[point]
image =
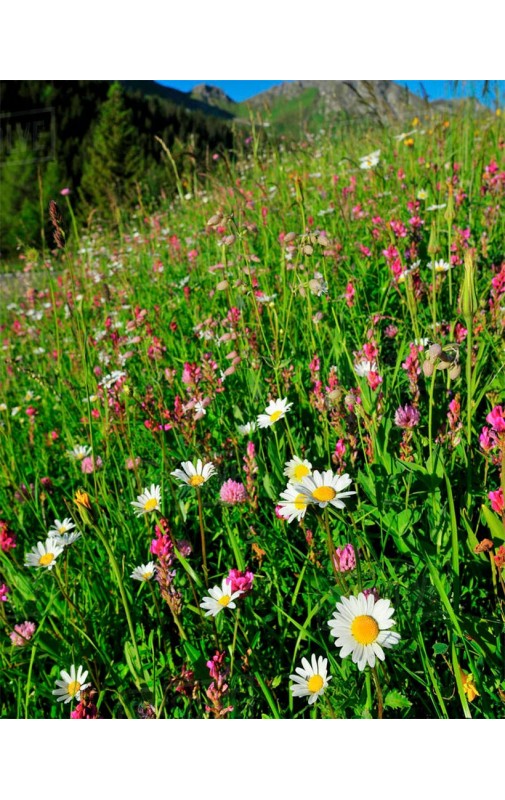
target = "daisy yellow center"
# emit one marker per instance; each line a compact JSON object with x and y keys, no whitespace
{"x":73,"y":688}
{"x":46,"y":559}
{"x":315,"y":683}
{"x":300,"y":502}
{"x":62,"y":529}
{"x":147,"y":575}
{"x":275,"y":416}
{"x":224,"y":600}
{"x":150,"y":504}
{"x":365,"y":629}
{"x":324,"y":493}
{"x":196,"y":480}
{"x":300,"y":472}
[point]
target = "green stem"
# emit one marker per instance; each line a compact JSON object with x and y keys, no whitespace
{"x":124,"y":600}
{"x":380,"y":702}
{"x":202,"y":536}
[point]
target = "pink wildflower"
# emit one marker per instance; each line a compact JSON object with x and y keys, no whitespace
{"x":374,"y":592}
{"x":4,"y":592}
{"x":374,"y":380}
{"x":22,"y":633}
{"x":345,"y":558}
{"x":233,"y":492}
{"x":218,"y":687}
{"x":495,"y":418}
{"x":350,"y":291}
{"x":487,"y":439}
{"x":89,"y":464}
{"x":7,"y":538}
{"x":407,"y":416}
{"x":240,"y":581}
{"x":497,"y":502}
{"x":499,"y":558}
{"x":133,"y":463}
{"x":86,"y":708}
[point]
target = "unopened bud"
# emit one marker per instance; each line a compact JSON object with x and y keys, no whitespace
{"x":469,"y":305}
{"x":455,"y":372}
{"x":428,"y":368}
{"x":289,"y":237}
{"x":434,"y":352}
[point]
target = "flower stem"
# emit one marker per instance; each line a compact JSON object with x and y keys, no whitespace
{"x":380,"y":702}
{"x":124,"y":600}
{"x":202,"y":536}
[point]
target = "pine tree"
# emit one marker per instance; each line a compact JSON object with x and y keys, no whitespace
{"x":113,"y":160}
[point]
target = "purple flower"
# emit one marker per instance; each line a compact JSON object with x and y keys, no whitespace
{"x":345,"y":558}
{"x":232,"y":492}
{"x":240,"y":581}
{"x":22,"y":633}
{"x":407,"y":417}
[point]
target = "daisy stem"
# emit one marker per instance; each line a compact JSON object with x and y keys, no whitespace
{"x":117,"y":573}
{"x":202,"y":535}
{"x":234,"y":642}
{"x":380,"y":704}
{"x":70,"y":602}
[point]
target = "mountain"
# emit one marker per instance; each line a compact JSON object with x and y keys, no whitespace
{"x":212,"y":96}
{"x":206,"y":99}
{"x":382,"y":101}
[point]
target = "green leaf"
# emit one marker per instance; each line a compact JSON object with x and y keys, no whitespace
{"x":439,"y":648}
{"x":494,"y":523}
{"x":395,"y":699}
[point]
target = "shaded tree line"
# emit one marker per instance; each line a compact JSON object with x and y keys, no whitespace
{"x":98,"y":139}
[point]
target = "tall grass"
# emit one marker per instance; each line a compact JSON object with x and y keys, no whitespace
{"x":295,"y":274}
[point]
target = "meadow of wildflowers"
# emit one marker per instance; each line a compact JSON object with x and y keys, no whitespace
{"x":252,"y":442}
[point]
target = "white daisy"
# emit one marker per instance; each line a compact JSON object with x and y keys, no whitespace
{"x":311,"y":680}
{"x":219,"y":598}
{"x":364,"y":367}
{"x":44,"y":555}
{"x":59,"y":528}
{"x":111,"y":379}
{"x":71,"y":685}
{"x":144,"y":573}
{"x":293,"y":504}
{"x":439,"y":266}
{"x":148,"y":501}
{"x":69,"y":538}
{"x":79,"y":452}
{"x":369,"y":161}
{"x":274,"y":411}
{"x":422,"y":194}
{"x":296,"y":469}
{"x":361,"y":627}
{"x":246,"y":429}
{"x":194,"y":475}
{"x":325,"y":488}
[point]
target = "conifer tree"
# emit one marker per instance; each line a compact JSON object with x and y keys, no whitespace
{"x":113,"y":159}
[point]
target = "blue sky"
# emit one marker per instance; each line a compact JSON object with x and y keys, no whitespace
{"x":242,"y":90}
